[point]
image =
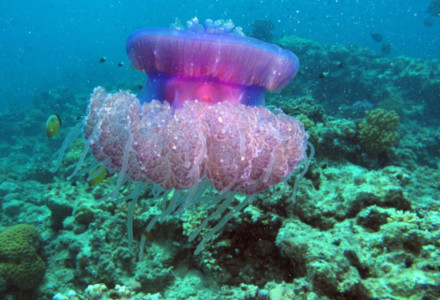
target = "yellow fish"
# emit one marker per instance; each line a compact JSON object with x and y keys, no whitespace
{"x":53,"y":125}
{"x":97,"y":175}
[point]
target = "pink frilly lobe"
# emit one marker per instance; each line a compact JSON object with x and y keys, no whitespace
{"x":236,"y":147}
{"x":170,"y":147}
{"x":107,"y":132}
{"x":251,"y":149}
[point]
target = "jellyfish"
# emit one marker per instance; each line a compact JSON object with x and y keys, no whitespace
{"x":212,"y":63}
{"x":198,"y":133}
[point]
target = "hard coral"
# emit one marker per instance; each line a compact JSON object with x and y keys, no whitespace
{"x":379,"y":132}
{"x":21,"y":266}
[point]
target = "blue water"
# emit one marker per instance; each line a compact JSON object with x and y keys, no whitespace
{"x":366,"y":217}
{"x":47,"y":44}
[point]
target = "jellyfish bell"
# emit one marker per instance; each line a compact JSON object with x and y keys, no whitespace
{"x":198,"y":132}
{"x":183,"y":65}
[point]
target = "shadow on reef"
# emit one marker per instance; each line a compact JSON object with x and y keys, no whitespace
{"x":246,"y":253}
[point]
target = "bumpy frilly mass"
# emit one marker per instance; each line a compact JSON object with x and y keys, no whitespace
{"x":199,"y":121}
{"x":237,"y":147}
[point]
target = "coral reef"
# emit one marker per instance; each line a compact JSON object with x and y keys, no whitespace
{"x":354,"y":73}
{"x":379,"y":132}
{"x":98,"y":291}
{"x":21,"y":266}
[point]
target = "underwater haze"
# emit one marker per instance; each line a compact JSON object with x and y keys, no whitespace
{"x":258,"y":150}
{"x":51,"y":43}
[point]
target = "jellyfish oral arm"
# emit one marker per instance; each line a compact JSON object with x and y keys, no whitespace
{"x":178,"y":90}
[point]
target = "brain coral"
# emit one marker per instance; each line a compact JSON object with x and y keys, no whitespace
{"x":20,"y":264}
{"x":379,"y":132}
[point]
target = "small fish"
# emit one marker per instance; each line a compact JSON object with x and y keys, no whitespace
{"x":341,"y":65}
{"x":53,"y":125}
{"x":103,"y":59}
{"x":377,"y":37}
{"x":323,"y":75}
{"x":97,"y":175}
{"x":121,"y":64}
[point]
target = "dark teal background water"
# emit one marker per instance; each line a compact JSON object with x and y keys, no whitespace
{"x":48,"y":44}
